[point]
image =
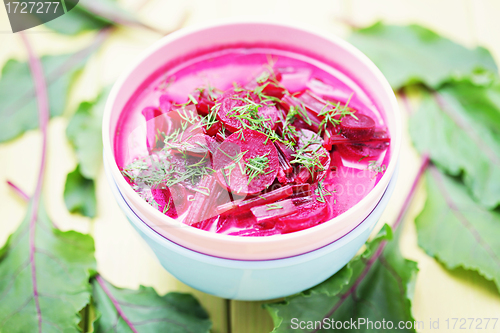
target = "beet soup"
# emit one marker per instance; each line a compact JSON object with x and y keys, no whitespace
{"x":251,"y":141}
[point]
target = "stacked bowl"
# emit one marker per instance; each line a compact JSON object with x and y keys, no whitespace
{"x":253,"y":268}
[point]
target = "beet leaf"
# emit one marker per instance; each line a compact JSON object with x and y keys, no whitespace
{"x":18,"y":111}
{"x":143,"y":310}
{"x":377,"y":285}
{"x":84,"y":133}
{"x":458,"y":127}
{"x":414,"y":54}
{"x":457,"y":231}
{"x":79,"y":194}
{"x":44,"y":272}
{"x":92,"y":15}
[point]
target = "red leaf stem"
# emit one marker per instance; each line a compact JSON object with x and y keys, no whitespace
{"x":18,"y":190}
{"x":43,"y":118}
{"x":115,"y":302}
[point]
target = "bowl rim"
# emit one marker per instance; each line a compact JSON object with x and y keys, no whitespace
{"x":396,"y":134}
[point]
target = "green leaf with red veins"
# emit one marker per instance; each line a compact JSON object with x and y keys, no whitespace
{"x":378,"y":285}
{"x":414,"y":54}
{"x":44,"y":274}
{"x":18,"y":105}
{"x":79,"y":194}
{"x":459,"y":128}
{"x":84,"y":132}
{"x":91,"y":15}
{"x":143,"y":310}
{"x":457,"y":231}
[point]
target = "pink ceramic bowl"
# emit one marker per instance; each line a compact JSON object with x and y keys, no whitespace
{"x":329,"y":49}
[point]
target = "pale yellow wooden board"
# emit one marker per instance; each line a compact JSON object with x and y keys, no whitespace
{"x":122,"y":256}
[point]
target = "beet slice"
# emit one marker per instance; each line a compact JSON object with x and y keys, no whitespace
{"x":274,"y":210}
{"x":312,"y":102}
{"x":166,"y":205}
{"x":309,"y":119}
{"x":310,"y":212}
{"x":269,"y":112}
{"x":266,"y":198}
{"x":285,"y":170}
{"x":205,"y":224}
{"x":234,"y":99}
{"x":158,"y":123}
{"x":178,"y":194}
{"x":376,"y":146}
{"x":191,"y":142}
{"x":310,"y":145}
{"x":205,"y":198}
{"x":359,"y":126}
{"x":337,"y":139}
{"x":228,"y":101}
{"x":233,"y":156}
{"x":272,"y":89}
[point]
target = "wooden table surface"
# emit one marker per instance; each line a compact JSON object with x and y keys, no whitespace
{"x":122,"y":256}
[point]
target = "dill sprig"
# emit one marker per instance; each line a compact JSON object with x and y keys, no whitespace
{"x":211,"y":118}
{"x":301,"y":111}
{"x":321,"y":192}
{"x":226,"y":171}
{"x":273,"y":206}
{"x":167,"y":206}
{"x":192,"y":99}
{"x":333,"y":114}
{"x":256,"y":166}
{"x":376,"y":167}
{"x":148,"y":171}
{"x":308,"y":156}
{"x":248,"y":115}
{"x":211,"y":91}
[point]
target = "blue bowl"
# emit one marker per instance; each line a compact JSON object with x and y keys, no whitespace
{"x":256,"y":280}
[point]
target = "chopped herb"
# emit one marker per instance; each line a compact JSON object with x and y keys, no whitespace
{"x":256,"y":166}
{"x":321,"y":192}
{"x":167,"y":206}
{"x":362,"y":158}
{"x":273,"y":206}
{"x":206,"y":192}
{"x":308,"y":155}
{"x":191,"y":97}
{"x":376,"y":167}
{"x":333,"y":114}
